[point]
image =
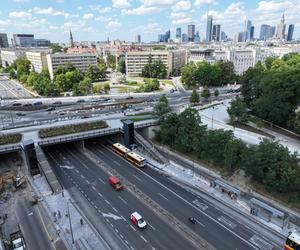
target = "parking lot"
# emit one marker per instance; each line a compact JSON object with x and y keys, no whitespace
{"x":9,"y":89}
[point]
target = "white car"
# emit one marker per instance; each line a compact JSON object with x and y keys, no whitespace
{"x":138,"y":220}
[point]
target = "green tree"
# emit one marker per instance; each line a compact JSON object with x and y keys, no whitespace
{"x":111,"y":61}
{"x":205,"y":93}
{"x":154,"y":69}
{"x":194,"y":98}
{"x":216,"y":93}
{"x":102,"y":68}
{"x":162,"y":108}
{"x":56,"y":48}
{"x":149,"y":85}
{"x":228,"y":75}
{"x":106,"y":88}
{"x":188,"y":75}
{"x":121,"y":65}
{"x":237,"y":111}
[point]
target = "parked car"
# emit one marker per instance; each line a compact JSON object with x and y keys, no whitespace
{"x":57,"y":102}
{"x":16,"y":104}
{"x":80,"y":100}
{"x":50,"y":109}
{"x":138,"y":220}
{"x":27,"y":105}
{"x":20,"y":114}
{"x":37,"y":103}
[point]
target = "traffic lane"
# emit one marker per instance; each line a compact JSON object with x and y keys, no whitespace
{"x":228,"y":219}
{"x":181,"y":209}
{"x":31,"y":226}
{"x":171,"y":239}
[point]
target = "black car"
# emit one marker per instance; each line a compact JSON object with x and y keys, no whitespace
{"x":50,"y":109}
{"x":80,"y":100}
{"x":57,"y":103}
{"x":37,"y":103}
{"x":17,"y":104}
{"x":20,"y":114}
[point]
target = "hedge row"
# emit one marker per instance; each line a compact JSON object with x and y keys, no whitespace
{"x":10,"y":138}
{"x":70,"y":129}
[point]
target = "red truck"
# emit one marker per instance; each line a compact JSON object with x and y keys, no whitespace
{"x":115,"y":183}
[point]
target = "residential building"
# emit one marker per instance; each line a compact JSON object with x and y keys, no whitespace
{"x":178,"y":33}
{"x":138,"y":39}
{"x":3,"y":40}
{"x":81,"y":50}
{"x":79,"y":61}
{"x":191,"y":32}
{"x":216,"y":33}
{"x":209,"y":28}
{"x":9,"y":56}
{"x":42,"y":43}
{"x":290,"y":32}
{"x":38,"y":60}
{"x":136,"y":60}
{"x":281,"y":29}
{"x":24,"y":40}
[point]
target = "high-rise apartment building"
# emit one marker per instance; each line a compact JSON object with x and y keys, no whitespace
{"x":9,"y":56}
{"x":24,"y":40}
{"x":178,"y":33}
{"x":138,"y":39}
{"x":3,"y":40}
{"x":216,"y":33}
{"x":209,"y":28}
{"x":281,"y":29}
{"x":191,"y":32}
{"x":38,"y":60}
{"x":290,"y":32}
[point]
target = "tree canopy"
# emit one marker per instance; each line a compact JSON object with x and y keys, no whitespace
{"x":154,"y":69}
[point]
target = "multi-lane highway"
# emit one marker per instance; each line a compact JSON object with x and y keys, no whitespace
{"x":114,"y":207}
{"x":12,"y":90}
{"x":214,"y":227}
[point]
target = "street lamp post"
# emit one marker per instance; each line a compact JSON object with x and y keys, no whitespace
{"x":212,"y":118}
{"x":71,"y":229}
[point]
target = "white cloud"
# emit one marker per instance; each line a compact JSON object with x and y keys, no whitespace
{"x":142,"y":10}
{"x":120,"y":3}
{"x":88,"y":29}
{"x":103,"y":19}
{"x":180,"y":18}
{"x":202,"y":2}
{"x":105,"y":10}
{"x":73,"y":25}
{"x":182,"y":5}
{"x":151,"y":28}
{"x":158,"y":2}
{"x":20,"y":14}
{"x":274,"y":5}
{"x":21,"y":1}
{"x":113,"y":25}
{"x":88,"y":16}
{"x":50,"y":12}
{"x":4,"y":23}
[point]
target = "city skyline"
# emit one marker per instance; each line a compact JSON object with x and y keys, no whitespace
{"x":125,"y":19}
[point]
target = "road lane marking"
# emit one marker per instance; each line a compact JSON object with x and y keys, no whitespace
{"x":163,"y":196}
{"x":100,"y":195}
{"x":151,"y":226}
{"x":87,"y":182}
{"x":116,"y":162}
{"x":137,"y":178}
{"x":93,"y":188}
{"x":261,"y":243}
{"x":101,"y":180}
{"x":126,"y":242}
{"x":115,"y":209}
{"x":121,"y":236}
{"x":122,"y":200}
{"x":227,"y":222}
{"x":82,"y":176}
{"x":132,"y":228}
{"x":107,"y":202}
{"x":143,"y":238}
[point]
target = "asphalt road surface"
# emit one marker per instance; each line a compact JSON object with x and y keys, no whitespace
{"x":115,"y":207}
{"x":11,"y":90}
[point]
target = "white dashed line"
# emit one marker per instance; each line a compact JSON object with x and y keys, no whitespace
{"x":102,"y":181}
{"x":121,"y":236}
{"x":117,"y":163}
{"x":87,"y":182}
{"x":122,"y":199}
{"x":132,"y":228}
{"x":115,"y":209}
{"x":82,"y":176}
{"x":93,"y":188}
{"x":116,"y":230}
{"x":151,"y":226}
{"x":136,"y":177}
{"x":143,"y":238}
{"x":107,"y":201}
{"x":126,"y":242}
{"x":163,"y":196}
{"x":100,"y":195}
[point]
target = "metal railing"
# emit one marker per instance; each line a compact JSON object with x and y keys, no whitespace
{"x":10,"y":148}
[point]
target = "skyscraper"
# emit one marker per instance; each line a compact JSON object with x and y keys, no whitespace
{"x":209,"y":28}
{"x":197,"y":37}
{"x":184,"y":38}
{"x":178,"y":33}
{"x":216,"y":33}
{"x":191,"y":32}
{"x":3,"y":40}
{"x":138,"y":38}
{"x":290,"y":32}
{"x":71,"y":40}
{"x":167,"y":36}
{"x":281,"y":29}
{"x":248,"y":25}
{"x":266,"y":32}
{"x":223,"y":36}
{"x":252,"y":33}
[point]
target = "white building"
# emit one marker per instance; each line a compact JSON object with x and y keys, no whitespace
{"x":9,"y":56}
{"x":38,"y":60}
{"x":79,"y":61}
{"x":136,"y":60}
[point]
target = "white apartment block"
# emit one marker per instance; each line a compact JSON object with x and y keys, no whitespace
{"x":38,"y":60}
{"x":9,"y":56}
{"x":79,"y":61}
{"x":136,"y":60}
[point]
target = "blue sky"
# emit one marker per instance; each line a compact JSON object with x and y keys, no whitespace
{"x":124,"y":19}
